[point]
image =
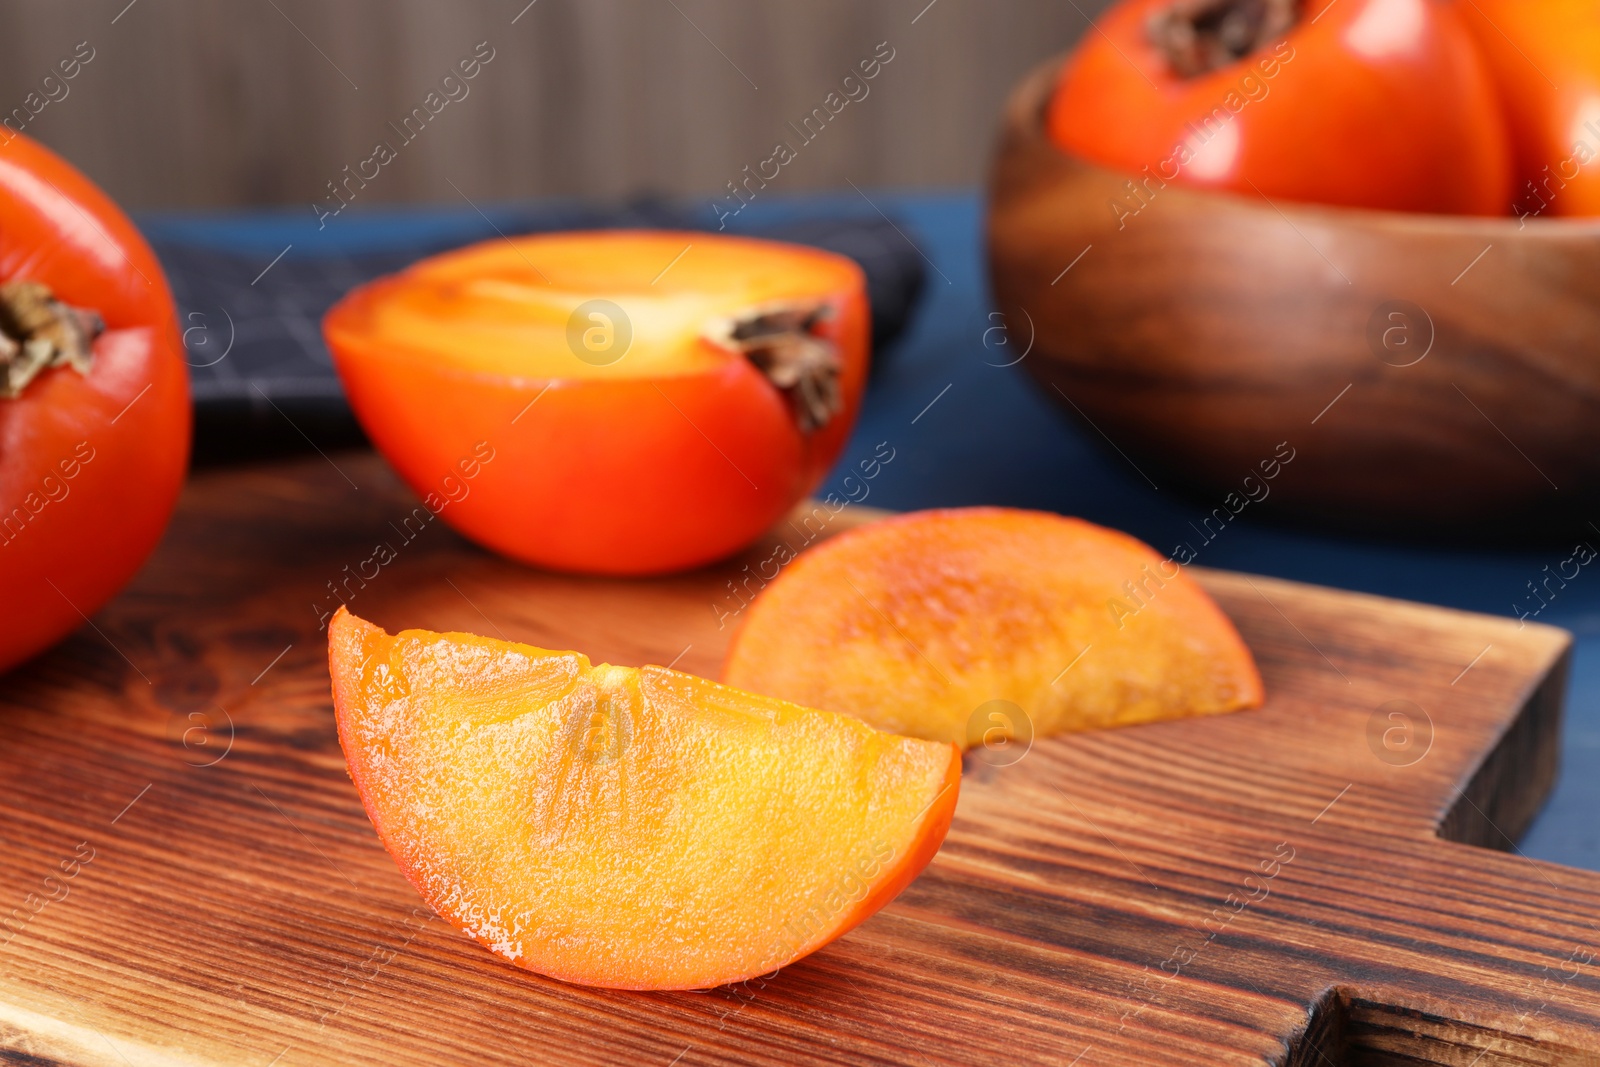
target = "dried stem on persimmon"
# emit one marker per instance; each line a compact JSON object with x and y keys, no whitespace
{"x":1199,"y":36}
{"x":783,"y":341}
{"x":38,"y":332}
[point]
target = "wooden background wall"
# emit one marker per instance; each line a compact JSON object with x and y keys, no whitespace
{"x":226,"y":102}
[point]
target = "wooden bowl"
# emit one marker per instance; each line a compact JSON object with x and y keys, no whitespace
{"x":1432,"y":374}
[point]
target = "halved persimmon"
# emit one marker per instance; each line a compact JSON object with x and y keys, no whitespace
{"x":620,"y":402}
{"x":632,"y":828}
{"x":921,"y":623}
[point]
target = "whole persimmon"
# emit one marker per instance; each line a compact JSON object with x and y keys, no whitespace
{"x":618,"y":402}
{"x":1545,"y":58}
{"x":1364,"y":103}
{"x":94,"y":399}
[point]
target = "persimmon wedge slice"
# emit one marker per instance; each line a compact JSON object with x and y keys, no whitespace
{"x":920,"y":623}
{"x":630,"y":828}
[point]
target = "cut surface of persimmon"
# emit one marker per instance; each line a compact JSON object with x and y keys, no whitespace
{"x":618,"y":402}
{"x":631,"y":828}
{"x":921,"y":623}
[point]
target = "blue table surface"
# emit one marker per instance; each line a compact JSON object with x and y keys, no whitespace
{"x":966,"y":431}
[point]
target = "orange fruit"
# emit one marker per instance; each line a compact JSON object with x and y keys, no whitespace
{"x":615,"y":402}
{"x":631,"y":828}
{"x":974,"y":625}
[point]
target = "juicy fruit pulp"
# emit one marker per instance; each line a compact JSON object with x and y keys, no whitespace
{"x":504,"y":307}
{"x":920,"y":623}
{"x":632,"y":828}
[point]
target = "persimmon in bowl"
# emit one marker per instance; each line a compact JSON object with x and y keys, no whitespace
{"x":617,"y":402}
{"x":1314,"y":243}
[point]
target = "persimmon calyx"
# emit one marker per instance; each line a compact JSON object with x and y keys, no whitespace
{"x":1199,"y":36}
{"x":38,"y":332}
{"x":783,"y":341}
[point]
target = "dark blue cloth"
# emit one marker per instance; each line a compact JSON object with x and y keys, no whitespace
{"x":967,"y":431}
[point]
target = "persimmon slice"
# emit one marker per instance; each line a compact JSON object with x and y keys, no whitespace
{"x":918,"y":623}
{"x":631,"y":828}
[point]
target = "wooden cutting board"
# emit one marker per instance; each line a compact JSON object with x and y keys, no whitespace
{"x":190,"y":879}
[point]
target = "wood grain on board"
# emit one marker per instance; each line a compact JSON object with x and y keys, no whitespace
{"x":1266,"y":887}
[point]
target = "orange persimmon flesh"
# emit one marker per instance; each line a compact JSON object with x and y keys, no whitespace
{"x":621,"y":827}
{"x":504,"y":307}
{"x":916,"y":622}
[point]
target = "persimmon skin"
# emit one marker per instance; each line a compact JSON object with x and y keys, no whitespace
{"x":918,"y":622}
{"x":1544,"y":56}
{"x":622,"y":476}
{"x":1371,"y":103}
{"x":704,"y":844}
{"x":129,"y":415}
